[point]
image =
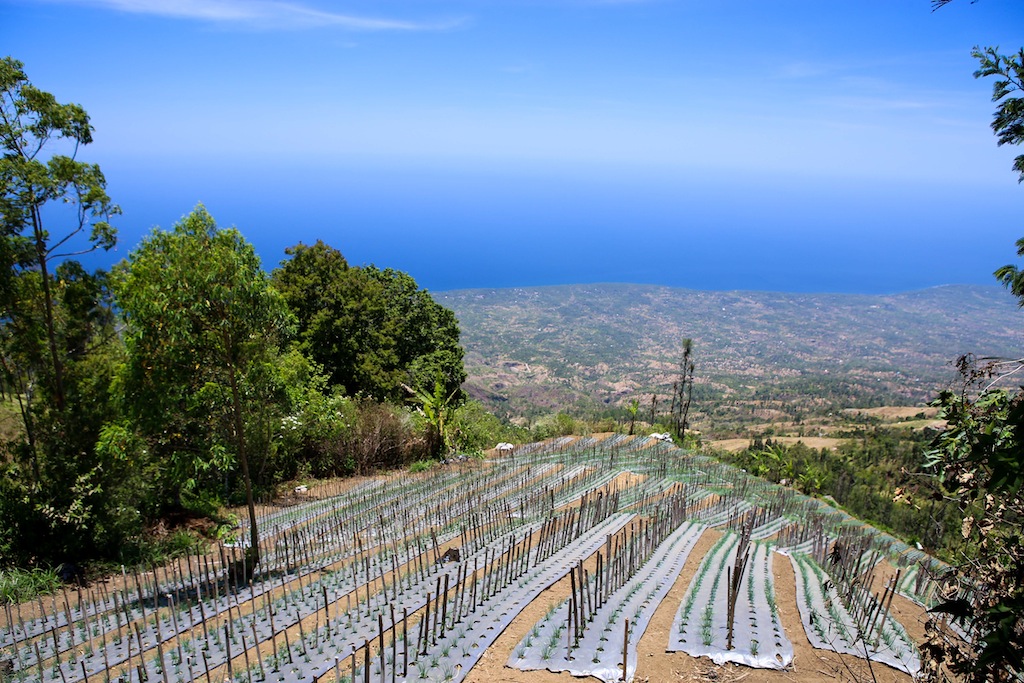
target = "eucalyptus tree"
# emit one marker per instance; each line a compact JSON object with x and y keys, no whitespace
{"x":203,"y":330}
{"x":57,"y":341}
{"x":53,"y":206}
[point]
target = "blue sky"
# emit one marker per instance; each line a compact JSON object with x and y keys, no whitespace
{"x":796,"y":145}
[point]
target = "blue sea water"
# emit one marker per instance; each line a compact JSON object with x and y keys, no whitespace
{"x":463,"y":225}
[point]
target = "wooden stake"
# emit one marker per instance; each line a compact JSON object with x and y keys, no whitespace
{"x":380,"y":642}
{"x":366,"y":661}
{"x":625,"y":650}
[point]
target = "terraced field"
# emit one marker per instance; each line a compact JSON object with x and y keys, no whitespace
{"x":615,"y":557}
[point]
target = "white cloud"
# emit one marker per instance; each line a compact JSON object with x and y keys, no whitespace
{"x":800,"y":70}
{"x":264,"y":14}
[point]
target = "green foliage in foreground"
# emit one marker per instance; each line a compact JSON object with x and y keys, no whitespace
{"x":978,"y":460}
{"x":19,"y":585}
{"x":979,"y":463}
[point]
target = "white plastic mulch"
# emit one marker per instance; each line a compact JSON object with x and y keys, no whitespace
{"x":453,"y":656}
{"x":599,"y":652}
{"x":701,"y":627}
{"x":829,"y":625}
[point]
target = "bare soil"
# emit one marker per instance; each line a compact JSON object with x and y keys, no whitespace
{"x":655,"y":665}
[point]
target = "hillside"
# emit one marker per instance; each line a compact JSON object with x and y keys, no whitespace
{"x":759,"y":355}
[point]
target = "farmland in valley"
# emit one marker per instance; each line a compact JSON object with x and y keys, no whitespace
{"x":608,"y":557}
{"x":760,"y":356}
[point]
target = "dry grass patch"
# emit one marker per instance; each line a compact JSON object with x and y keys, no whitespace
{"x":736,"y":445}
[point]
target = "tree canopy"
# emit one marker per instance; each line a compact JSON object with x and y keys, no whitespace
{"x":203,"y":326}
{"x":1008,"y":120}
{"x":56,"y":327}
{"x":372,"y":330}
{"x":36,"y":180}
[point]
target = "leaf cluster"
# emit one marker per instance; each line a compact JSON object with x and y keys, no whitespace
{"x":372,"y":330}
{"x":978,"y":459}
{"x":1008,"y":120}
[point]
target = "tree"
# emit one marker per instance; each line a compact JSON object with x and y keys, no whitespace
{"x":632,"y":409}
{"x":682,"y":391}
{"x":57,"y":341}
{"x":1008,"y":120}
{"x":203,"y":326}
{"x":32,"y":123}
{"x":71,"y":501}
{"x":979,"y":460}
{"x":438,"y":409}
{"x":372,"y":330}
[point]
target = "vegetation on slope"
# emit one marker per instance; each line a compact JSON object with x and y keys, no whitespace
{"x":761,"y":356}
{"x":187,"y":378}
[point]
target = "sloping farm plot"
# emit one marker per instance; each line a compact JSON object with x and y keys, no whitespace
{"x":594,"y":632}
{"x":854,"y":623}
{"x":414,"y":578}
{"x":701,"y":627}
{"x":198,"y":618}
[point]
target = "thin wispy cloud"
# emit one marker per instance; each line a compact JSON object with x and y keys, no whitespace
{"x":520,"y":68}
{"x":802,"y":70}
{"x":264,"y":14}
{"x":865,"y":103}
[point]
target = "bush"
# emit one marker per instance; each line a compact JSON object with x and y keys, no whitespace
{"x":477,"y":430}
{"x":384,"y":436}
{"x":157,"y":547}
{"x":561,"y":424}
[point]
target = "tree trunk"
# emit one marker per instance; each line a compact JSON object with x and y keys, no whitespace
{"x":254,"y":537}
{"x":51,"y":333}
{"x":686,"y":404}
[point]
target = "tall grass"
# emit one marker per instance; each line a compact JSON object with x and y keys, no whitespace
{"x":19,"y":585}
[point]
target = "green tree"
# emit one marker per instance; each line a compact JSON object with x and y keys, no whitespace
{"x":203,"y":328}
{"x":372,"y":330}
{"x":57,"y":342}
{"x":32,"y":124}
{"x":979,"y":460}
{"x":70,"y":500}
{"x":1008,"y":120}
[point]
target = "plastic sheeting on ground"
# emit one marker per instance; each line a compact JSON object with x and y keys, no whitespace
{"x":599,"y":652}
